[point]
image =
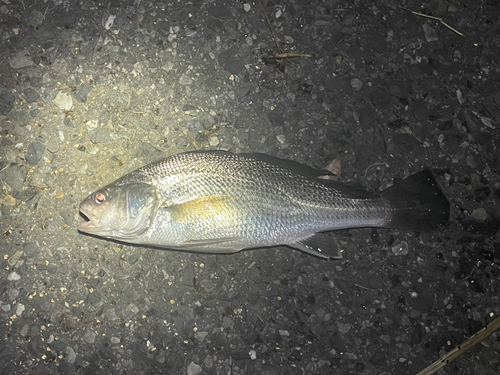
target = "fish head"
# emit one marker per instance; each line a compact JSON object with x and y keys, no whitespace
{"x":121,"y":211}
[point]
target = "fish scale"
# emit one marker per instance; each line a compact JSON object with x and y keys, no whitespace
{"x":224,"y":202}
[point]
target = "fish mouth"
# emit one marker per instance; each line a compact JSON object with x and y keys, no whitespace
{"x":90,"y":225}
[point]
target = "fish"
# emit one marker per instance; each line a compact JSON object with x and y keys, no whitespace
{"x":220,"y":202}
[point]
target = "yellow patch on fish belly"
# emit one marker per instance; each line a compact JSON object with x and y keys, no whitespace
{"x":201,"y":209}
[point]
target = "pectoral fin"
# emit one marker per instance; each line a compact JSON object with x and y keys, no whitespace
{"x":319,"y":245}
{"x":201,"y":209}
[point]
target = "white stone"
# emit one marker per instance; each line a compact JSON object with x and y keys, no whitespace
{"x":63,"y":101}
{"x":194,"y":369}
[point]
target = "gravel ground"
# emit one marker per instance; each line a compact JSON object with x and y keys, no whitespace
{"x":91,"y":90}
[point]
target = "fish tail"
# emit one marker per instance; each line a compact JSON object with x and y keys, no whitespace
{"x":417,"y":204}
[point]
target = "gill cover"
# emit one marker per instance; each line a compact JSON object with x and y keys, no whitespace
{"x":141,"y":206}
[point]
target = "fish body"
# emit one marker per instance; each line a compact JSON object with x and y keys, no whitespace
{"x":220,"y":202}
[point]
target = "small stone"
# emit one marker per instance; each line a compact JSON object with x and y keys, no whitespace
{"x":214,"y":141}
{"x":110,"y":314}
{"x":343,"y":327}
{"x":13,"y":276}
{"x":89,"y":337}
{"x":100,"y":135}
{"x":5,"y":308}
{"x":356,"y":84}
{"x":82,"y":92}
{"x":189,"y":275}
{"x":200,"y":336}
{"x":132,"y":310}
{"x":234,"y":65}
{"x":247,"y":7}
{"x":430,"y":33}
{"x":21,"y":59}
{"x":207,"y":121}
{"x":284,"y":332}
{"x":31,"y":95}
{"x":400,"y":249}
{"x":109,"y":22}
{"x":193,"y":369}
{"x":15,"y":258}
{"x":208,"y":285}
{"x":53,"y":145}
{"x":7,"y":101}
{"x":70,"y":355}
{"x":115,"y":340}
{"x":185,"y":80}
{"x":208,"y":361}
{"x":60,"y":195}
{"x":20,"y":309}
{"x":253,"y":354}
{"x":67,"y":216}
{"x":63,"y":101}
{"x":480,"y":214}
{"x":35,"y":153}
{"x":14,"y":175}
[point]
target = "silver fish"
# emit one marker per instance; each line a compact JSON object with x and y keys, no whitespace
{"x":219,"y":202}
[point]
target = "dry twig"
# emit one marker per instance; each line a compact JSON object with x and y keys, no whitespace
{"x":281,"y":54}
{"x":434,"y":18}
{"x":286,"y":55}
{"x":463,"y":347}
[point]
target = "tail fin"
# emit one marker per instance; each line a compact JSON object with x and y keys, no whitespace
{"x":418,"y":204}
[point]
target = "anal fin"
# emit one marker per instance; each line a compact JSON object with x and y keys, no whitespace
{"x":319,"y":245}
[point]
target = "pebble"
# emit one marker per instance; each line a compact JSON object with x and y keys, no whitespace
{"x":35,"y":153}
{"x":132,"y":310}
{"x":7,"y":101}
{"x":207,"y":121}
{"x":31,"y":95}
{"x":115,"y":340}
{"x":356,"y":84}
{"x":247,"y":7}
{"x":208,"y":361}
{"x":20,"y":309}
{"x":185,"y":80}
{"x":110,"y":314}
{"x":208,"y":285}
{"x":89,"y":337}
{"x":82,"y":92}
{"x":201,"y":336}
{"x":14,"y":276}
{"x":63,"y":101}
{"x":53,"y":145}
{"x":194,"y":369}
{"x":284,"y":332}
{"x":430,"y":33}
{"x":14,"y":176}
{"x":70,"y":355}
{"x":21,"y":59}
{"x":253,"y":354}
{"x":343,"y":327}
{"x":100,"y":135}
{"x":480,"y":214}
{"x":15,"y":258}
{"x":214,"y":141}
{"x":189,"y":275}
{"x":400,"y":249}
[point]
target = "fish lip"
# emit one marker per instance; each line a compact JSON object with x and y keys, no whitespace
{"x":90,"y":223}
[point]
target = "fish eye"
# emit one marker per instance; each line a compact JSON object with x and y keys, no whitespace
{"x":99,"y":198}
